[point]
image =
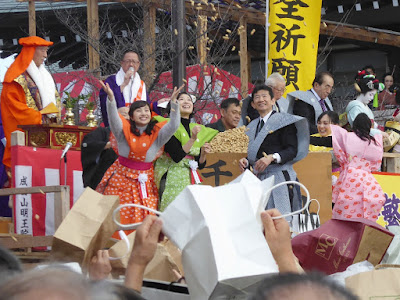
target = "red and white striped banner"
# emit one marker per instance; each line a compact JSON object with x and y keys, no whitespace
{"x":34,"y":214}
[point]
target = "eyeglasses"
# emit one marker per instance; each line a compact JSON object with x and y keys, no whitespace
{"x":129,"y":61}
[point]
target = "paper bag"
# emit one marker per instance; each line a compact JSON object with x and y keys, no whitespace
{"x":309,"y":221}
{"x":86,"y":228}
{"x":339,"y":243}
{"x":224,"y":252}
{"x":376,"y":284}
{"x":166,"y":259}
{"x":392,"y":255}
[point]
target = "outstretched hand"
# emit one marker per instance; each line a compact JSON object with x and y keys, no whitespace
{"x":146,"y":239}
{"x":195,"y":131}
{"x":277,"y":234}
{"x":108,"y":90}
{"x":100,"y":267}
{"x":176,"y":92}
{"x":144,"y":249}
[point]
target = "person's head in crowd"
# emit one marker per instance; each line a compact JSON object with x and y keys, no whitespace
{"x":388,"y":81}
{"x":46,"y":284}
{"x":307,"y":286}
{"x":9,"y":265}
{"x":230,"y":112}
{"x":367,"y":85}
{"x":262,"y":99}
{"x":106,"y":290}
{"x":323,"y":84}
{"x":130,"y":59}
{"x":186,"y":105}
{"x":40,"y":55}
{"x":361,"y":127}
{"x":324,"y":122}
{"x":369,"y":69}
{"x":395,"y":89}
{"x":140,"y":116}
{"x":278,"y":84}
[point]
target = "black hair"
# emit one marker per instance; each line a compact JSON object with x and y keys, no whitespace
{"x":333,"y":116}
{"x":395,"y":89}
{"x":319,"y":77}
{"x":134,"y":106}
{"x":102,"y":289}
{"x":387,"y":74}
{"x":168,"y":108}
{"x":369,"y":67}
{"x":366,"y":82}
{"x":227,"y":102}
{"x":129,"y":51}
{"x":261,"y":87}
{"x":272,"y":287}
{"x":362,"y":126}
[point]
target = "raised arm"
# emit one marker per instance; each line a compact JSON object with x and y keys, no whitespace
{"x":112,"y":112}
{"x":169,"y":129}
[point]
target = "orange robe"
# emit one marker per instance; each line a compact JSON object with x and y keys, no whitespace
{"x":18,"y":105}
{"x":15,"y":111}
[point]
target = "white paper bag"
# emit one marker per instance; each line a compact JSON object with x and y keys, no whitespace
{"x":224,"y":252}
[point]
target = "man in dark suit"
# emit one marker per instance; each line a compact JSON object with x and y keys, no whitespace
{"x":310,"y":104}
{"x":230,"y":115}
{"x":276,"y":141}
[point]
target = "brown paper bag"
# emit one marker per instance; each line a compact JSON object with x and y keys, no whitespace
{"x":166,"y":259}
{"x":86,"y":228}
{"x":376,"y":284}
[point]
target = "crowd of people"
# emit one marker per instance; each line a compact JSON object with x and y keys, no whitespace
{"x":148,"y":159}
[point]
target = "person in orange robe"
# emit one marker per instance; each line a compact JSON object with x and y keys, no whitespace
{"x":27,"y":88}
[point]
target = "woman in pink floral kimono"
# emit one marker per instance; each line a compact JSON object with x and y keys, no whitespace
{"x":357,"y":194}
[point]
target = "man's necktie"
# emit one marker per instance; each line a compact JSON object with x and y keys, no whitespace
{"x":260,"y":126}
{"x":322,"y":102}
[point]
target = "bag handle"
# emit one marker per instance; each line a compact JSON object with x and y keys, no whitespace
{"x":123,"y":237}
{"x":132,"y":226}
{"x":297,"y":211}
{"x":319,"y":207}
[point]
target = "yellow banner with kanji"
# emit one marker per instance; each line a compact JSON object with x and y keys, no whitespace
{"x":293,"y":41}
{"x":390,"y":213}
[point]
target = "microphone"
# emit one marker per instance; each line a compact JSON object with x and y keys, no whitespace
{"x":133,"y":70}
{"x":67,"y":146}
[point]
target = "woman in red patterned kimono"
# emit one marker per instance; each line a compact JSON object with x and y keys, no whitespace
{"x":357,"y":194}
{"x":139,"y":142}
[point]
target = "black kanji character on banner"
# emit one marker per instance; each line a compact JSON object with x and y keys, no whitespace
{"x":288,"y":69}
{"x":24,"y":223}
{"x":23,"y":181}
{"x":291,"y":9}
{"x":23,"y":202}
{"x":24,"y":212}
{"x":286,"y":37}
{"x":217,"y":172}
